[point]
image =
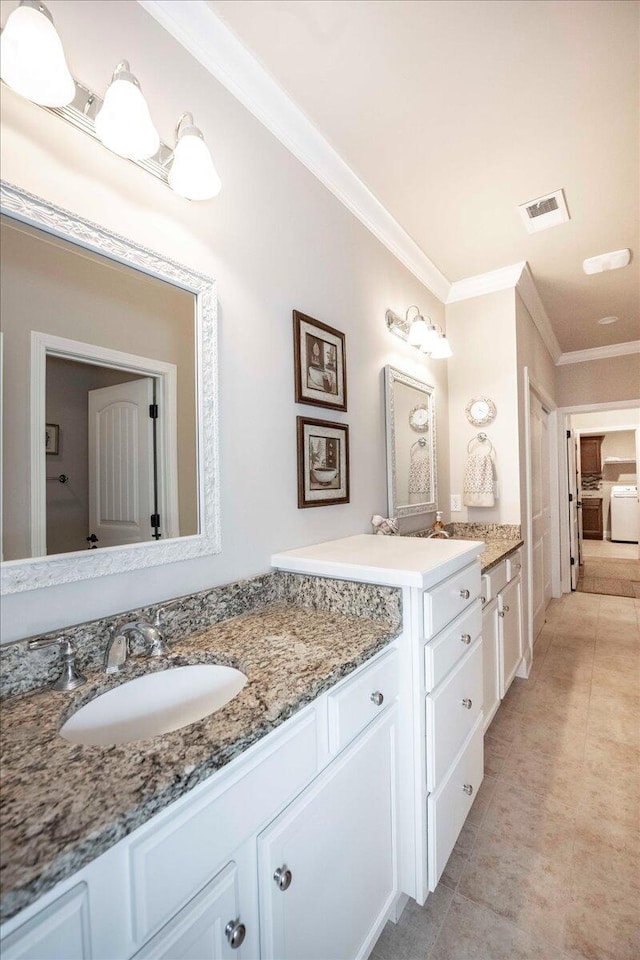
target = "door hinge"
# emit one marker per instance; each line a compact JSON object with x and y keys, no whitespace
{"x":573,"y":561}
{"x":570,"y":498}
{"x":568,"y":434}
{"x":155,"y":520}
{"x":153,"y":411}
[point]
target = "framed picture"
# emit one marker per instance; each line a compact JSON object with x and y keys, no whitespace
{"x":52,"y":438}
{"x":320,"y":362}
{"x":323,"y":463}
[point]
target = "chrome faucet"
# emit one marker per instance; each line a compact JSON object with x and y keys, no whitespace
{"x":118,"y":647}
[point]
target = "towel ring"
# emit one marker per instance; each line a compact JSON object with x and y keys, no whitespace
{"x":480,"y":438}
{"x":420,"y":442}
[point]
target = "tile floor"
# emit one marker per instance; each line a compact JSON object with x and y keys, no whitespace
{"x":607,"y":549}
{"x":547,"y":866}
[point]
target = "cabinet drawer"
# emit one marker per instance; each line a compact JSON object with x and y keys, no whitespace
{"x":494,"y":580}
{"x":452,"y":710}
{"x":447,"y":809}
{"x":172,"y":861}
{"x":59,"y":932}
{"x":514,"y":564}
{"x":448,"y":599}
{"x":355,"y":703}
{"x":444,"y":651}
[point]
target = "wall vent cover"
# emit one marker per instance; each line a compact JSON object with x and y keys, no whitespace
{"x":544,"y":212}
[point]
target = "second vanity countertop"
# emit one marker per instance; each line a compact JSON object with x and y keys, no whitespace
{"x":64,"y":804}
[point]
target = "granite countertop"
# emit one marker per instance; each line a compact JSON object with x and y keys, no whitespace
{"x":64,"y":804}
{"x":494,"y":550}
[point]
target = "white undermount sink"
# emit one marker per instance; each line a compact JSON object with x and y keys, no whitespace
{"x":153,"y":704}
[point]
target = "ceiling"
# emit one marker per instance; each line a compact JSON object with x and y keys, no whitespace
{"x":455,"y":111}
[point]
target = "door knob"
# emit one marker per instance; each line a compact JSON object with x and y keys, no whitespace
{"x":377,"y":698}
{"x":467,"y":703}
{"x":236,"y":932}
{"x":466,"y":638}
{"x":283,"y":878}
{"x":465,"y":594}
{"x":468,"y":789}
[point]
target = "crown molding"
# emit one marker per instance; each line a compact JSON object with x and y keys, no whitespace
{"x":529,"y":295}
{"x":599,"y":353}
{"x":196,"y":26}
{"x":505,"y":278}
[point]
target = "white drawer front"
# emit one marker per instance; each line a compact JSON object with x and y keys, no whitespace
{"x":495,"y":580}
{"x":514,"y":564}
{"x":59,"y":932}
{"x":448,"y":599}
{"x":452,"y":710}
{"x":444,"y":651}
{"x":447,"y":809}
{"x":359,"y":701}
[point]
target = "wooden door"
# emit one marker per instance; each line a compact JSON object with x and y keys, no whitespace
{"x":540,"y":513}
{"x":121,"y":463}
{"x":206,"y":929}
{"x":591,"y":454}
{"x":510,"y":632}
{"x":575,"y":553}
{"x":334,"y":848}
{"x":592,"y":520}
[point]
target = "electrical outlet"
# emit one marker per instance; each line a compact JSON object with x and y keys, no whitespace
{"x":456,"y":503}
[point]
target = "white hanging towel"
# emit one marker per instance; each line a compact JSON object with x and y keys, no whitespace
{"x":478,"y":481}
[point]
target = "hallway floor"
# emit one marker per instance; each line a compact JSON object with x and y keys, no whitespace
{"x":547,"y":866}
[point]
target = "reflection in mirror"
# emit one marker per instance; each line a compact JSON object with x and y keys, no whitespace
{"x":99,"y":432}
{"x":411,"y":444}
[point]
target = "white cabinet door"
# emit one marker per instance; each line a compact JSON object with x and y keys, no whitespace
{"x":208,"y":928}
{"x":327,"y":864}
{"x":59,"y":932}
{"x":490,"y":657}
{"x":510,"y":614}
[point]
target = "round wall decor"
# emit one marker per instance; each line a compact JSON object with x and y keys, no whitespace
{"x":419,"y":418}
{"x":480,"y":411}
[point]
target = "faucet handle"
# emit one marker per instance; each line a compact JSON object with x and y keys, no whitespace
{"x":162,"y":611}
{"x":70,"y":678}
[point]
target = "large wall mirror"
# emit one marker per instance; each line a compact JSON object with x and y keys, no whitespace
{"x":109,"y":418}
{"x":411,"y":444}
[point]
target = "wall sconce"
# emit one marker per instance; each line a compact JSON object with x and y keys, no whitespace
{"x":422,"y":334}
{"x":33,"y":64}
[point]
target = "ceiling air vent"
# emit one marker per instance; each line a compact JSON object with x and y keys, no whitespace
{"x":544,"y":212}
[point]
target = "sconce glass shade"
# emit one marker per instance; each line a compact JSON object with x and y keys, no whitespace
{"x":124,"y":123}
{"x":192,"y":173}
{"x":418,"y":331}
{"x":32,"y":60}
{"x":442,"y":349}
{"x":430,"y":339}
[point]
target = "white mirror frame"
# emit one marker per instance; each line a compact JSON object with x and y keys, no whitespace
{"x":391,"y":377}
{"x":35,"y":572}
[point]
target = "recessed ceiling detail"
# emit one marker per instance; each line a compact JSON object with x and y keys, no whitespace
{"x":607,"y":261}
{"x":544,"y":212}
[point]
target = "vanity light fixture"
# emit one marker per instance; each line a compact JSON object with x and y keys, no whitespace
{"x":428,"y":338}
{"x":32,"y":60}
{"x":192,"y":172}
{"x":123,"y":122}
{"x":33,"y":64}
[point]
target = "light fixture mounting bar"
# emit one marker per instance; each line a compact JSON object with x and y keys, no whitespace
{"x":397,"y":325}
{"x":81,"y":113}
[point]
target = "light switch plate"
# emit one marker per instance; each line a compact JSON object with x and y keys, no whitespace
{"x":456,"y":503}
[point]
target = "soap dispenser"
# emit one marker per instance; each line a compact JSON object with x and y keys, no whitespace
{"x":438,"y":531}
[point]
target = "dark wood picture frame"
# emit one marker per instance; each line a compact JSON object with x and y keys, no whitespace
{"x":320,"y":394}
{"x":304,"y":501}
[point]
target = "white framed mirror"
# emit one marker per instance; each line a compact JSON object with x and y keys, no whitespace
{"x":109,"y":435}
{"x":411,"y":444}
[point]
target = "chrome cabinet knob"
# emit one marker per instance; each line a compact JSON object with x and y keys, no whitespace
{"x":465,"y":594}
{"x":506,"y":608}
{"x":466,"y":638}
{"x":518,"y":566}
{"x":467,"y":703}
{"x":283,"y":878}
{"x":484,"y":600}
{"x":236,"y":932}
{"x":468,"y":789}
{"x":377,"y":698}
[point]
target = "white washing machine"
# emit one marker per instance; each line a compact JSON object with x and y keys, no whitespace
{"x":624,"y":514}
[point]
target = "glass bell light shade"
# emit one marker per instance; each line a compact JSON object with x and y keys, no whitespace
{"x":430,"y":339}
{"x":32,"y":60}
{"x":442,"y":349}
{"x":418,"y":331}
{"x":124,"y":123}
{"x":192,"y":173}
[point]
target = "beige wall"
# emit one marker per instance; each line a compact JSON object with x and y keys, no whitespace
{"x":275,"y":240}
{"x":482,"y":333}
{"x":51,"y":287}
{"x":599,"y":381}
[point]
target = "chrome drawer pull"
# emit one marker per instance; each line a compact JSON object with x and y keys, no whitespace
{"x":466,"y":638}
{"x":377,"y":698}
{"x":467,"y":703}
{"x":501,"y":613}
{"x":468,"y":789}
{"x":283,"y":878}
{"x":465,"y":594}
{"x":236,"y":933}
